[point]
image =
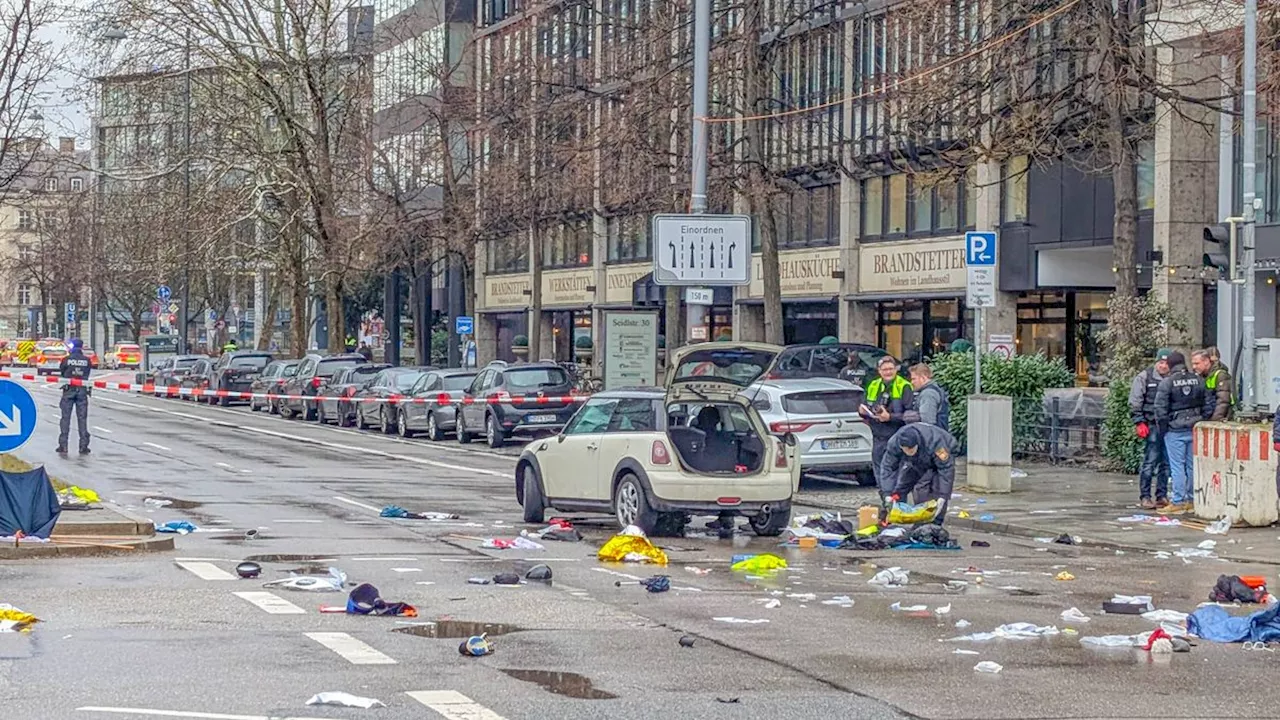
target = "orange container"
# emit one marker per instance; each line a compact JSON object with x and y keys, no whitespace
{"x":868,"y":515}
{"x":1254,"y":581}
{"x":808,"y":543}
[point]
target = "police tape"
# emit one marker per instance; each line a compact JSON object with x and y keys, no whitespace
{"x":200,"y":393}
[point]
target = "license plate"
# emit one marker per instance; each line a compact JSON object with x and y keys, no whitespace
{"x":841,"y":444}
{"x":541,"y":419}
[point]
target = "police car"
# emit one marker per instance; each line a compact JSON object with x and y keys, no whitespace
{"x":49,"y":360}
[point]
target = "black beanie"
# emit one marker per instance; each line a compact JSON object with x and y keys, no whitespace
{"x":1175,"y":359}
{"x":908,"y":437}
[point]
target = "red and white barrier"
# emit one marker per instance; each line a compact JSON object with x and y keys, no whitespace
{"x":175,"y":391}
{"x":1235,"y":473}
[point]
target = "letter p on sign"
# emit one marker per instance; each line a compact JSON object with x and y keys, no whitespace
{"x":979,"y":248}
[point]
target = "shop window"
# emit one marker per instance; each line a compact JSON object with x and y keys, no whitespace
{"x":824,"y":226}
{"x":509,"y":254}
{"x":1014,"y":207}
{"x":1146,"y":175}
{"x":921,"y":207}
{"x":897,"y":219}
{"x":971,"y":197}
{"x":873,"y":206}
{"x":567,"y":245}
{"x":947,"y":202}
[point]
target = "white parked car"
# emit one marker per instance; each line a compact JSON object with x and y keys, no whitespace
{"x":655,"y":457}
{"x":822,"y":413}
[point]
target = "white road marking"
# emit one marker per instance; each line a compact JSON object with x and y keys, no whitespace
{"x":313,"y":441}
{"x":308,"y":522}
{"x":269,"y":603}
{"x":406,"y":570}
{"x":101,"y":429}
{"x":453,"y":705}
{"x":185,"y":714}
{"x":358,"y":504}
{"x":382,"y":559}
{"x":158,"y":447}
{"x":223,"y":465}
{"x":246,"y":471}
{"x":351,"y":649}
{"x":205,"y":570}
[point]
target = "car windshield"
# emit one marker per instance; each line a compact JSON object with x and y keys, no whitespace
{"x":534,"y":378}
{"x":739,"y":366}
{"x":404,"y":381}
{"x":329,"y":368}
{"x":129,"y":348}
{"x":822,"y":402}
{"x":458,"y":382}
{"x":290,"y":370}
{"x":185,"y":362}
{"x":252,"y":362}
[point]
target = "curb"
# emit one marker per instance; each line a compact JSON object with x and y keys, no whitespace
{"x":50,"y":550}
{"x":132,"y":525}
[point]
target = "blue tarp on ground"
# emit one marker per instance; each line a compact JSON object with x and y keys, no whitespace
{"x":28,"y":503}
{"x":1216,"y":624}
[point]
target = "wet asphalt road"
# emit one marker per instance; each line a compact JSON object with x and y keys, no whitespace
{"x":146,"y":637}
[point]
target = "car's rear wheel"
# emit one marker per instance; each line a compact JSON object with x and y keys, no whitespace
{"x":532,"y":500}
{"x":494,"y":434}
{"x":631,"y":505}
{"x":771,"y":522}
{"x":433,"y":428}
{"x":402,"y":426}
{"x":464,"y":435}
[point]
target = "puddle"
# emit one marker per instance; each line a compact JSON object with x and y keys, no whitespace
{"x":456,"y":629}
{"x":309,"y":570}
{"x":176,"y":504}
{"x":562,"y":683}
{"x":280,"y":557}
{"x":240,"y":538}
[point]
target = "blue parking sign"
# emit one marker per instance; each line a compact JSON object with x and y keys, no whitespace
{"x":979,"y":248}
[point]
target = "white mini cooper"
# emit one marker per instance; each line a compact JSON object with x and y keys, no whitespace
{"x":655,"y":458}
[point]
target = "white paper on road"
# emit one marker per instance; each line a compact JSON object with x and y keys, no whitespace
{"x":344,"y":699}
{"x":740,"y":621}
{"x":1011,"y":631}
{"x":1165,"y":616}
{"x":986,"y":666}
{"x":1074,"y":616}
{"x":899,"y":607}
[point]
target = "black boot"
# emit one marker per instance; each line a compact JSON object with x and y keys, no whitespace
{"x":84,"y":451}
{"x":61,"y":450}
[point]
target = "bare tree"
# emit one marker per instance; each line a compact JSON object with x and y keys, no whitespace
{"x":27,"y":64}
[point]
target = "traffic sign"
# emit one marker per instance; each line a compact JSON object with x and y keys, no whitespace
{"x":464,"y":325}
{"x":173,"y":307}
{"x":702,"y":249}
{"x":17,"y":416}
{"x":980,"y":266}
{"x":1002,"y":346}
{"x":699,"y":296}
{"x":163,"y":293}
{"x":71,"y":313}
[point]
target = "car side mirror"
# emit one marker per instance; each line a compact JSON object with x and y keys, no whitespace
{"x":560,"y":438}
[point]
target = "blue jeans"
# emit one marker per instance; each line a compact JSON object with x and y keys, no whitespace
{"x":1177,"y":444}
{"x":1154,"y":464}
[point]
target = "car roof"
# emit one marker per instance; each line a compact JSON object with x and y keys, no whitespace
{"x":452,"y":372}
{"x":639,"y":391}
{"x":841,"y":345}
{"x":248,"y":353}
{"x":804,"y":384}
{"x":337,"y":356}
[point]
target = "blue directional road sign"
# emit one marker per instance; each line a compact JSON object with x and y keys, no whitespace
{"x":163,"y":293}
{"x":464,"y":325}
{"x":71,"y":314}
{"x":979,"y":248}
{"x":17,"y":416}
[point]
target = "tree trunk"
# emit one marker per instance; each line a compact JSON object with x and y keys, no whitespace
{"x":759,"y":183}
{"x":535,"y":298}
{"x":674,"y":326}
{"x":335,"y":313}
{"x":267,"y":318}
{"x":1117,"y":34}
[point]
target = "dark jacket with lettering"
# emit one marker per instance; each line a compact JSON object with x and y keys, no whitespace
{"x":936,"y":454}
{"x":1182,"y":400}
{"x":1142,"y":396}
{"x":75,"y":366}
{"x":896,"y":397}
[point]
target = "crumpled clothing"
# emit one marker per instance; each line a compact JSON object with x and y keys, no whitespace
{"x":828,"y":523}
{"x":518,"y":543}
{"x":333,"y":582}
{"x":14,"y":620}
{"x":365,"y":600}
{"x":1231,"y":588}
{"x":78,"y":496}
{"x":764,"y":562}
{"x":181,"y":527}
{"x":891,"y":578}
{"x":1011,"y":631}
{"x":395,"y":511}
{"x":1216,"y":624}
{"x":626,"y":547}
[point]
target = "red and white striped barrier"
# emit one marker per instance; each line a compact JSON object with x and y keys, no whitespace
{"x":176,"y":391}
{"x":1235,"y":473}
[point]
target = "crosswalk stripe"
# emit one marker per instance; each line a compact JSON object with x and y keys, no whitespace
{"x":351,"y":649}
{"x":270,"y":603}
{"x":206,"y":570}
{"x":453,"y":705}
{"x":153,"y":712}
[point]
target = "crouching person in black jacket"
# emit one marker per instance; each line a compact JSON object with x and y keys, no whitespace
{"x":920,"y":459}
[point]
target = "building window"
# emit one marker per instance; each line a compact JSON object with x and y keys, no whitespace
{"x":26,"y":221}
{"x":24,"y":294}
{"x":1014,"y":207}
{"x":921,"y":207}
{"x":567,"y":245}
{"x":947,"y":197}
{"x":51,"y":184}
{"x":971,"y":197}
{"x":509,"y":254}
{"x":897,"y":217}
{"x":628,"y":239}
{"x":807,"y":217}
{"x":873,"y":206}
{"x":77,"y":184}
{"x":1147,"y":175}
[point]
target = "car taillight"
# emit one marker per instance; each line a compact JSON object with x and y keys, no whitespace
{"x":349,"y":392}
{"x":503,"y":397}
{"x":444,"y":399}
{"x":783,"y":426}
{"x":780,"y":456}
{"x":315,"y":382}
{"x":658,"y":454}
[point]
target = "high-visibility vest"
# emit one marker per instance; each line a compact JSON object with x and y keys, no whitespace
{"x":1211,"y":383}
{"x":875,"y":387}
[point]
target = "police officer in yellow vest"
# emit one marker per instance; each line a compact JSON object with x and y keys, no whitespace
{"x":1217,"y":380}
{"x":888,"y":397}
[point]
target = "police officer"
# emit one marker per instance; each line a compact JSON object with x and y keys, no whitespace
{"x":1181,"y":402}
{"x":229,"y":347}
{"x":1217,"y":380}
{"x":930,"y":404}
{"x":74,"y":367}
{"x":1142,"y":411}
{"x":920,"y":460}
{"x":888,"y":397}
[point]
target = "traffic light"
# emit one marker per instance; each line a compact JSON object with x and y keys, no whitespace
{"x":1220,"y":247}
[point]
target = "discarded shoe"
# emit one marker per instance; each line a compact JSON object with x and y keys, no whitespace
{"x":476,"y":646}
{"x":539,"y":573}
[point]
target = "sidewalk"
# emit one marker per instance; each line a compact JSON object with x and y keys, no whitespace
{"x":1052,"y":500}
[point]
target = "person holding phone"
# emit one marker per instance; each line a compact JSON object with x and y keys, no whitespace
{"x":888,"y":397}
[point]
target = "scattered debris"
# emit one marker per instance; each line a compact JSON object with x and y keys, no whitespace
{"x":728,"y":701}
{"x":395,"y":511}
{"x":1011,"y":631}
{"x":698,"y":570}
{"x":1165,"y":616}
{"x":987,"y":666}
{"x":686,"y":641}
{"x":156,"y":502}
{"x":476,"y":646}
{"x":897,"y":607}
{"x":345,"y":700}
{"x":772,"y":603}
{"x":406,"y":570}
{"x":517,"y":543}
{"x":962,"y":624}
{"x":14,"y":620}
{"x":333,"y":582}
{"x":961,"y":651}
{"x":1219,"y":527}
{"x":1208,"y":545}
{"x":843,"y":601}
{"x":539,"y":573}
{"x":248,"y":570}
{"x":1064,"y":575}
{"x":365,"y":600}
{"x":181,"y":527}
{"x":739,"y":621}
{"x":1128,"y":605}
{"x":559,"y":530}
{"x":506,"y":579}
{"x":894,"y":577}
{"x":979,"y":543}
{"x":1074,"y":616}
{"x":1065,"y":539}
{"x":631,"y":545}
{"x":764,"y":562}
{"x":77,"y":496}
{"x":478,"y":581}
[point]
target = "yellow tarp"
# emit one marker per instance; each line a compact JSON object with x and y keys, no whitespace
{"x":760,"y":563}
{"x":84,"y":494}
{"x":11,"y":618}
{"x":631,"y":548}
{"x":904,"y":514}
